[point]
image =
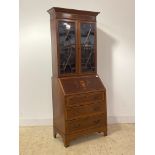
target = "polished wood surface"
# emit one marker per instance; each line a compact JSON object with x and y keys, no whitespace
{"x":86,"y":110}
{"x":85,"y":98}
{"x":64,"y":13}
{"x":83,"y":84}
{"x":79,"y":96}
{"x":78,"y":125}
{"x":73,"y":11}
{"x":58,"y":105}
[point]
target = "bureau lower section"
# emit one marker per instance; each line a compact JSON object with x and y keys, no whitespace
{"x":80,"y":114}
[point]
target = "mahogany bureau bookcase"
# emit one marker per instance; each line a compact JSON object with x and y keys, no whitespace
{"x":79,"y":97}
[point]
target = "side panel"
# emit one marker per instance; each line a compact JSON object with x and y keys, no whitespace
{"x":54,"y":47}
{"x":58,"y":105}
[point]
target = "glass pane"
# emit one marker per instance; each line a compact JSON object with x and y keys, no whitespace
{"x":67,"y":47}
{"x":87,"y":47}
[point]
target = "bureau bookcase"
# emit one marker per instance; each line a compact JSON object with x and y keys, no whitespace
{"x":79,"y":97}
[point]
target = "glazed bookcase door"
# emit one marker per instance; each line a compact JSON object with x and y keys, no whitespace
{"x":88,"y":47}
{"x":67,"y":47}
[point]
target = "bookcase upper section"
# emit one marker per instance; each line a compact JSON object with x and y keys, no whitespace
{"x":74,"y":42}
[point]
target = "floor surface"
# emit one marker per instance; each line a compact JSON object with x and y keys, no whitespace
{"x":40,"y":141}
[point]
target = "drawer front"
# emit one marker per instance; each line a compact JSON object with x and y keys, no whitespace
{"x":76,"y":100}
{"x":85,"y":123}
{"x":74,"y":112}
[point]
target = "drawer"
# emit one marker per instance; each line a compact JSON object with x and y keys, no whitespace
{"x":95,"y":121}
{"x":76,"y":100}
{"x":79,"y":111}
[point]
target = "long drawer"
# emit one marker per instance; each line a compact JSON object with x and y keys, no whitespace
{"x":95,"y":121}
{"x":84,"y":110}
{"x":81,"y":99}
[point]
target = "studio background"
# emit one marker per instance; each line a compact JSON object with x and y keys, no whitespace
{"x":115,"y":54}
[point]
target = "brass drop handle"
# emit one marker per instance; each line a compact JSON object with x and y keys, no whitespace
{"x":96,"y":121}
{"x":96,"y":97}
{"x":77,"y":125}
{"x":96,"y":108}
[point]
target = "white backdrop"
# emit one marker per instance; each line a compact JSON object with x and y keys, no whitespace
{"x":115,"y":57}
